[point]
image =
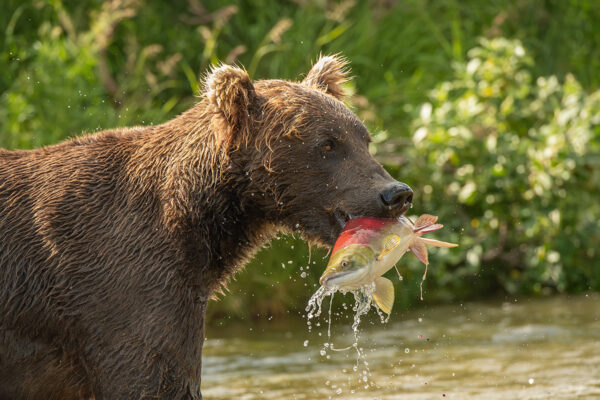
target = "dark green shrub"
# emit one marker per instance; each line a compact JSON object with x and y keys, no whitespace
{"x":512,"y":161}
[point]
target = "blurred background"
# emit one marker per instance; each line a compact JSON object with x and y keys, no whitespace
{"x":490,"y":111}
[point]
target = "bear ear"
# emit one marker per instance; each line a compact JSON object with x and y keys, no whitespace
{"x":230,"y":90}
{"x":328,"y":74}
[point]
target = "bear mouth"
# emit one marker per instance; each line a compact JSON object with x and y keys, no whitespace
{"x":341,"y":217}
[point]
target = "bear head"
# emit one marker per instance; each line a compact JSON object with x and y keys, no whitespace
{"x":301,"y":155}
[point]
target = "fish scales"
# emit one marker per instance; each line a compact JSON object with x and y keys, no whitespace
{"x":369,"y":247}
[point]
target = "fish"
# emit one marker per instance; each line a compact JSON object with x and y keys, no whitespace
{"x":369,"y":247}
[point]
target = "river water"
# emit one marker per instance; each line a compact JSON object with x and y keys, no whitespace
{"x":519,"y":349}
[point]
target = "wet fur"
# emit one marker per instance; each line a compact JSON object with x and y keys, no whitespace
{"x":111,"y":244}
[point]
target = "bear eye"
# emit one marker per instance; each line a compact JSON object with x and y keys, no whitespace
{"x":328,"y":145}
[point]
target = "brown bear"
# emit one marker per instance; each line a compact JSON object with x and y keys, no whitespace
{"x":111,"y":244}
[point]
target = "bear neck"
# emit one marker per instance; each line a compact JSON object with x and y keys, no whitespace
{"x":205,"y":197}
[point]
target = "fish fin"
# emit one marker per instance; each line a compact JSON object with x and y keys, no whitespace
{"x":438,"y":243}
{"x":419,"y":250}
{"x":384,"y":294}
{"x":390,"y":242}
{"x":430,"y":228}
{"x":424,"y":221}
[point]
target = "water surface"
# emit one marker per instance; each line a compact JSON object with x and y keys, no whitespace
{"x":521,"y":349}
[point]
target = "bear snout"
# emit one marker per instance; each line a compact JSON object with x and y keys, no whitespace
{"x":397,"y":195}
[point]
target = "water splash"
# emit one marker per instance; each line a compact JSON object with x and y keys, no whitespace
{"x":313,"y":308}
{"x":362,"y":304}
{"x":423,"y":280}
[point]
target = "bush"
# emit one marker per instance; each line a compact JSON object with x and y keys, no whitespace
{"x":513,"y":163}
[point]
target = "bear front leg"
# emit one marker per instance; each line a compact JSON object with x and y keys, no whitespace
{"x":154,"y":376}
{"x":164,"y":363}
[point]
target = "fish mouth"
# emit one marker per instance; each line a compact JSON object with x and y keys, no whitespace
{"x":326,"y":280}
{"x":341,"y":279}
{"x":341,"y":217}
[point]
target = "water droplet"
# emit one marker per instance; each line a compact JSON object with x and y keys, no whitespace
{"x":531,"y":381}
{"x":303,"y":275}
{"x":407,"y":350}
{"x":323,"y":352}
{"x":306,"y":343}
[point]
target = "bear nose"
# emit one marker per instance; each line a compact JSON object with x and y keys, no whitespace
{"x":396,"y":195}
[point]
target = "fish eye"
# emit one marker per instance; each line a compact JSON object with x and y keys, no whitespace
{"x":344,"y":263}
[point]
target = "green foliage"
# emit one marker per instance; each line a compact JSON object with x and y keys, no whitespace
{"x":514,"y":161}
{"x":505,"y":157}
{"x":57,"y":82}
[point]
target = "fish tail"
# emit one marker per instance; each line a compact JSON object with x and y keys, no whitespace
{"x":427,"y":229}
{"x":424,"y":221}
{"x":418,"y":248}
{"x":437,"y":243}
